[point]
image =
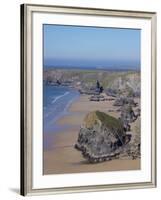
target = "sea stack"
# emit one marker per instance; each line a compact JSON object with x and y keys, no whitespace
{"x":101,"y":137}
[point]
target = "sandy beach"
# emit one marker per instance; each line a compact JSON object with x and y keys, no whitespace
{"x":62,"y":157}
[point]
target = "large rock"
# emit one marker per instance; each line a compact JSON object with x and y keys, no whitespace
{"x":101,"y":137}
{"x":127,"y":114}
{"x":123,"y":101}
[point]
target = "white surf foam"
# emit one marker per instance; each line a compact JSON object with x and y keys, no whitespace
{"x":58,"y":97}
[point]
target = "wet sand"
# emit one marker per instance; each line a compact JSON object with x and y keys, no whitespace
{"x":62,"y":157}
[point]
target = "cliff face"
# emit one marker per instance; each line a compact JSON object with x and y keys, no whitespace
{"x":100,"y":137}
{"x":127,"y":83}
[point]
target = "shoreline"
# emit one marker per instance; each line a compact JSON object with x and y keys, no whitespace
{"x":62,"y":157}
{"x":50,"y":118}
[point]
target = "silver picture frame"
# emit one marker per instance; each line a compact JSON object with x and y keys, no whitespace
{"x":27,"y":10}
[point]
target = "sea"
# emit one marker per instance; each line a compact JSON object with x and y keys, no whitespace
{"x":56,"y":101}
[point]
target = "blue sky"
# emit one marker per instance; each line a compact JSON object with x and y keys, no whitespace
{"x":91,"y":47}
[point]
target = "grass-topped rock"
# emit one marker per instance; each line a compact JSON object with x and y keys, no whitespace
{"x":101,"y":137}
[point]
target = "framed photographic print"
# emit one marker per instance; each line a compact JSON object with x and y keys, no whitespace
{"x":88,"y":99}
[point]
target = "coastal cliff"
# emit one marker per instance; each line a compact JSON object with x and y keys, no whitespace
{"x":114,"y":82}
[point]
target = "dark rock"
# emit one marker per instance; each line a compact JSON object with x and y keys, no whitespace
{"x":136,"y":94}
{"x":100,"y":137}
{"x":138,"y":112}
{"x":124,"y":100}
{"x":127,"y":116}
{"x":97,"y":98}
